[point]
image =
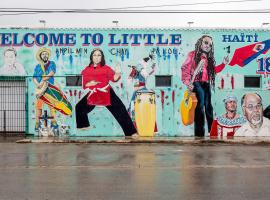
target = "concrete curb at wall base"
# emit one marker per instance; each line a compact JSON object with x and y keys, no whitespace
{"x":179,"y":141}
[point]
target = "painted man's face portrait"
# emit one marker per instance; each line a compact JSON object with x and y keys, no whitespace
{"x":253,"y":109}
{"x":44,"y":56}
{"x":231,"y":106}
{"x":9,"y":57}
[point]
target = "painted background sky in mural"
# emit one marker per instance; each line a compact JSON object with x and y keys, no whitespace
{"x":71,"y":50}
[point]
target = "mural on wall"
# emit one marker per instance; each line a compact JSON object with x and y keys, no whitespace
{"x":146,"y":77}
{"x":244,"y":55}
{"x":47,"y":92}
{"x":96,"y":77}
{"x":198,"y":74}
{"x":257,"y":124}
{"x":143,"y":100}
{"x":11,"y":66}
{"x":230,"y":121}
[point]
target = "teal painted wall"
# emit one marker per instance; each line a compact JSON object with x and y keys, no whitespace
{"x":72,"y":55}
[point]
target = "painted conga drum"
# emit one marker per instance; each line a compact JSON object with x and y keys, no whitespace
{"x":55,"y":98}
{"x":145,"y":112}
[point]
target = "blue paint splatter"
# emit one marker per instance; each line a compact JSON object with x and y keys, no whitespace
{"x":57,"y":55}
{"x":158,"y":52}
{"x":164,"y":54}
{"x":122,"y":57}
{"x":127,"y":53}
{"x":175,"y":52}
{"x":70,"y":59}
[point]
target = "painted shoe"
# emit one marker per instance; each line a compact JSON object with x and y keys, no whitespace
{"x":84,"y":128}
{"x":134,"y":136}
{"x":37,"y":126}
{"x":54,"y":125}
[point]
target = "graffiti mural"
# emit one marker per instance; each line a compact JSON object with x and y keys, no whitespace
{"x":147,"y":82}
{"x":96,"y":77}
{"x":47,"y":93}
{"x":198,"y":74}
{"x":11,"y":66}
{"x":230,"y":121}
{"x":143,"y":100}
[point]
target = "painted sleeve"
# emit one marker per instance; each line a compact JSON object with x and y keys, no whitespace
{"x":52,"y":67}
{"x":186,"y":69}
{"x":219,"y":68}
{"x":110,"y":74}
{"x":144,"y":73}
{"x":36,"y":71}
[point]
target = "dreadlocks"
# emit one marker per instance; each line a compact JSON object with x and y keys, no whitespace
{"x":210,"y":57}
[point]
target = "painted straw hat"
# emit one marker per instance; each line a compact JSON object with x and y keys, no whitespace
{"x":43,"y":49}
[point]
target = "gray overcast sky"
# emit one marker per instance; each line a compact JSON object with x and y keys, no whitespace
{"x":104,"y":20}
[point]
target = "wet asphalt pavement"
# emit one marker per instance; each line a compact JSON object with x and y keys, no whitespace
{"x":134,"y":171}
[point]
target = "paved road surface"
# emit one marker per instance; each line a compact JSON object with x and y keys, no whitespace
{"x":133,"y":171}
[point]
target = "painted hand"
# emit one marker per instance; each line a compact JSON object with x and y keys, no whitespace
{"x":118,"y":67}
{"x":40,"y":85}
{"x":91,"y":83}
{"x":190,"y":87}
{"x":226,"y":60}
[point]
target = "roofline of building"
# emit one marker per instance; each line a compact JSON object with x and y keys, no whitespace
{"x":141,"y":28}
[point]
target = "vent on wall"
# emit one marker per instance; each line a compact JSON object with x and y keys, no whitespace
{"x":163,"y":80}
{"x":74,"y":80}
{"x":252,"y":81}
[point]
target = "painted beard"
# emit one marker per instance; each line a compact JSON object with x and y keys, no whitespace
{"x":45,"y":59}
{"x":256,"y":119}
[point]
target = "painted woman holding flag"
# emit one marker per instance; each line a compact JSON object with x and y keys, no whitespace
{"x":96,"y":77}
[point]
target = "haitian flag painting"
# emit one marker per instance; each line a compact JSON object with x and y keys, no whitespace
{"x":244,"y":55}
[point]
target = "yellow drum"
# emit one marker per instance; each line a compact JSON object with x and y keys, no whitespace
{"x":145,"y":113}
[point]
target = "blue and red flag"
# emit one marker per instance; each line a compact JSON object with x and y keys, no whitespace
{"x":244,"y":55}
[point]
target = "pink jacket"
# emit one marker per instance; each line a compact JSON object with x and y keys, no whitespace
{"x":189,"y":66}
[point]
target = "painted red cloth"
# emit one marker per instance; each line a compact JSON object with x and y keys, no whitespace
{"x":221,"y":130}
{"x":222,"y":83}
{"x":189,"y":66}
{"x":226,"y":127}
{"x":139,"y":84}
{"x":99,"y":94}
{"x":232,"y":81}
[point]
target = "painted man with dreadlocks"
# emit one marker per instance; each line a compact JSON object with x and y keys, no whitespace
{"x":204,"y":78}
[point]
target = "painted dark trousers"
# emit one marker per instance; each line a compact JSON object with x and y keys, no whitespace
{"x":203,"y":108}
{"x":117,"y":108}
